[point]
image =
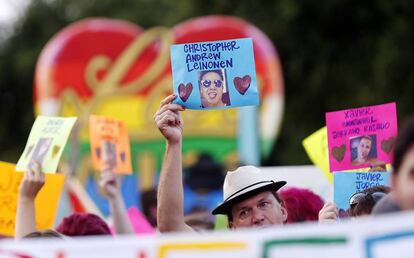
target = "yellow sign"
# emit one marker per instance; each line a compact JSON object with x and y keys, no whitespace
{"x":46,"y":142}
{"x":46,"y":202}
{"x":316,"y":146}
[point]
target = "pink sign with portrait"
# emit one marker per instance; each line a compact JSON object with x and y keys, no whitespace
{"x":361,"y":137}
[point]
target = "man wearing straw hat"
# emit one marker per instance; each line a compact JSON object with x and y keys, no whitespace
{"x":249,"y":199}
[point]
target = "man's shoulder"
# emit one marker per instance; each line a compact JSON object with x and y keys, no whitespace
{"x":387,"y":204}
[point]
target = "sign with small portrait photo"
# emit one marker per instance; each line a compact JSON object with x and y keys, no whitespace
{"x":46,"y":142}
{"x":361,"y":137}
{"x":109,"y":141}
{"x":214,"y":75}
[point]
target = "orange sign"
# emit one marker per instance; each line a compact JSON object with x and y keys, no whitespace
{"x":46,"y":202}
{"x":109,"y":141}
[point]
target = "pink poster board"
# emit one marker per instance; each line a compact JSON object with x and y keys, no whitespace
{"x":139,"y":223}
{"x":361,"y":137}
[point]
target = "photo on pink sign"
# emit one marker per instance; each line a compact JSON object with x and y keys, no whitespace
{"x":363,"y":149}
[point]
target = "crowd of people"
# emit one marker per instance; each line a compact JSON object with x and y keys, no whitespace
{"x":249,"y":198}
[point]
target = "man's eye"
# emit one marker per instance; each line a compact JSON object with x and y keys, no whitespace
{"x":264,"y":204}
{"x":243,"y":214}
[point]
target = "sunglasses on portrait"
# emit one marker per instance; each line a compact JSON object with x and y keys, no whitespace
{"x":358,"y":197}
{"x":207,"y":83}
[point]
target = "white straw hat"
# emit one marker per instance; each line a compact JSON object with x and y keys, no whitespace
{"x":242,"y":183}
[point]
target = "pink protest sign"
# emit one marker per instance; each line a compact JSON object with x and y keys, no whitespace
{"x":361,"y":137}
{"x":139,"y":223}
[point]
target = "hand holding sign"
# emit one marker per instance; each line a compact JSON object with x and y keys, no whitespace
{"x":328,"y":213}
{"x":223,"y":70}
{"x":33,"y":181}
{"x":168,"y":119}
{"x":110,"y":184}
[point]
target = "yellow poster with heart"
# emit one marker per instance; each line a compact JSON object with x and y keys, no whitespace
{"x":46,"y":142}
{"x":46,"y":202}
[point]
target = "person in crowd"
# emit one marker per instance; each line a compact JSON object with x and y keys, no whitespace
{"x":111,"y":187}
{"x":78,"y":224}
{"x":362,"y":203}
{"x":205,"y":175}
{"x":401,"y":196}
{"x":199,"y":219}
{"x":33,"y":180}
{"x":379,"y":166}
{"x":83,"y":224}
{"x":48,"y":233}
{"x":301,"y":204}
{"x":203,"y":183}
{"x":149,"y":206}
{"x":402,"y":178}
{"x":386,"y":204}
{"x":86,"y":224}
{"x":249,"y":198}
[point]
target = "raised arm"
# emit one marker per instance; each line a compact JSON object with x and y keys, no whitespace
{"x":111,"y":187}
{"x":170,"y":207}
{"x":33,"y":180}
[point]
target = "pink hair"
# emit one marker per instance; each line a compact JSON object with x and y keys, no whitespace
{"x":301,"y":204}
{"x":83,"y":224}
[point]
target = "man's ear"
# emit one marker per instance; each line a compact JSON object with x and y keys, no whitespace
{"x":284,"y":214}
{"x":230,"y":225}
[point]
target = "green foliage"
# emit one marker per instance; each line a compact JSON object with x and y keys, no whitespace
{"x":335,"y":54}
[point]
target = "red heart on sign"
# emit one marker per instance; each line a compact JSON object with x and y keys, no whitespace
{"x":339,"y":152}
{"x":242,"y":84}
{"x":388,"y":145}
{"x":184,"y":91}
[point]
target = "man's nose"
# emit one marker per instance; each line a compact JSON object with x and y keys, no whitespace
{"x":258,"y":216}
